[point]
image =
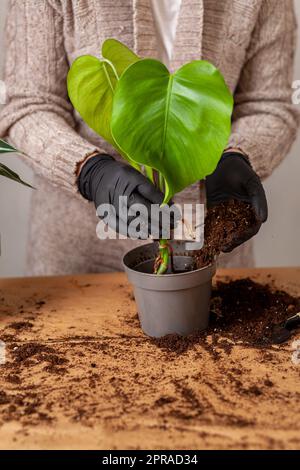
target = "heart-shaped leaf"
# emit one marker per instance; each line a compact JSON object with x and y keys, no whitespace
{"x":6,"y":148}
{"x":91,"y":85}
{"x":177,"y":123}
{"x":7,"y":173}
{"x":119,"y":55}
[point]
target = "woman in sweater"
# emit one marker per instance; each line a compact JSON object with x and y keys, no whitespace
{"x":252,"y":43}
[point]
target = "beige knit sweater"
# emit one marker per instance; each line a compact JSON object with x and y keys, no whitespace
{"x":252,"y":43}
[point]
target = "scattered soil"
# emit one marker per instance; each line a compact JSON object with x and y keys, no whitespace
{"x":20,"y":326}
{"x":3,"y":398}
{"x":228,"y":387}
{"x":23,"y":406}
{"x":52,"y":369}
{"x":241,"y":311}
{"x":26,"y":351}
{"x":250,"y":311}
{"x":26,"y":404}
{"x":164,"y":400}
{"x":13,"y":379}
{"x":224,"y":224}
{"x":52,"y":359}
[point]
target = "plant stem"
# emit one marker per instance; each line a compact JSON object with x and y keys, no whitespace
{"x":162,"y":261}
{"x":161,"y":182}
{"x":113,"y":68}
{"x":149,"y":173}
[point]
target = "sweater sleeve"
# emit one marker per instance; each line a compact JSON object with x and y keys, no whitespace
{"x":264,"y":120}
{"x":38,"y":117}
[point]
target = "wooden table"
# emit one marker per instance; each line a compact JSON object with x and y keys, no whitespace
{"x":91,"y":383}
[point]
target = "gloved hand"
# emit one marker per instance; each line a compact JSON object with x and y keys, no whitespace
{"x":103,"y":180}
{"x":234,"y":178}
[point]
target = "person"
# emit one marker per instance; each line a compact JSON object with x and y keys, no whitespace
{"x":251,"y":42}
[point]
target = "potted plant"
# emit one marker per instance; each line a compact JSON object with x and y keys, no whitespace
{"x":5,"y":148}
{"x":176,"y":125}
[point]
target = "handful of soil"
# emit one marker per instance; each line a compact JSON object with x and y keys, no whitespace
{"x":224,"y":223}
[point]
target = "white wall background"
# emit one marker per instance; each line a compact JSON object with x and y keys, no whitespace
{"x":277,"y":244}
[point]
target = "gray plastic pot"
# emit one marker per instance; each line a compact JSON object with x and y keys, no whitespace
{"x":170,"y":303}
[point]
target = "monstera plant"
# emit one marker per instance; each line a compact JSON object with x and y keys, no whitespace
{"x":4,"y":170}
{"x":176,"y":124}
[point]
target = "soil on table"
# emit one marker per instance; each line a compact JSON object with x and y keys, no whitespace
{"x":228,"y":387}
{"x":244,"y":311}
{"x":224,"y":224}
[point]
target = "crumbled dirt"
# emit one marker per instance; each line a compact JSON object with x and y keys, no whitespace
{"x":24,"y":407}
{"x":52,"y":359}
{"x":164,"y":400}
{"x":20,"y":326}
{"x":4,"y":400}
{"x":13,"y":379}
{"x":250,"y":311}
{"x":224,"y":223}
{"x":241,"y":310}
{"x":26,"y":351}
{"x":28,"y":404}
{"x":52,"y":369}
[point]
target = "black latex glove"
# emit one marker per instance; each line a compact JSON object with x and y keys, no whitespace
{"x":103,"y":180}
{"x":234,"y":178}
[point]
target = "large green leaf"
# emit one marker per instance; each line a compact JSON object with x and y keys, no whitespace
{"x":91,"y":85}
{"x":6,"y":148}
{"x":178,"y":124}
{"x":7,"y":173}
{"x":119,"y":55}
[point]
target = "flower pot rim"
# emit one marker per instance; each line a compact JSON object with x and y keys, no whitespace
{"x":165,"y":276}
{"x":140,"y":273}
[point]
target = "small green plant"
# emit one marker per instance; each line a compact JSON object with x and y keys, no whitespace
{"x":4,"y":170}
{"x":174,"y":124}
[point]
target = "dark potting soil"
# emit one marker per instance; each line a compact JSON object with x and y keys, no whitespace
{"x":26,"y":351}
{"x":20,"y":326}
{"x":242,"y":311}
{"x":13,"y":379}
{"x":27,"y":404}
{"x":250,"y":311}
{"x":52,"y":369}
{"x":224,"y":223}
{"x":4,"y":399}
